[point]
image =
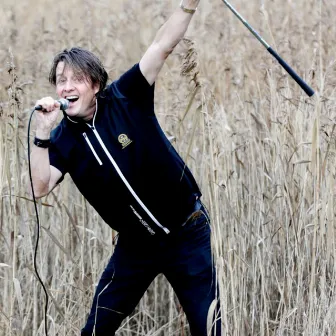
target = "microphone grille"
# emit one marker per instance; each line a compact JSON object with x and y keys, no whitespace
{"x":64,"y":103}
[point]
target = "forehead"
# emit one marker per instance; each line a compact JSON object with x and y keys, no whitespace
{"x":63,"y":69}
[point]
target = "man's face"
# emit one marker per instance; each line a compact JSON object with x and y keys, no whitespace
{"x":78,"y":90}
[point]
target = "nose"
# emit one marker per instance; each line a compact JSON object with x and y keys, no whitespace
{"x":68,"y":86}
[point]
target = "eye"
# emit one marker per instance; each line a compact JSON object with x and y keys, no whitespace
{"x":79,"y":79}
{"x":61,"y":80}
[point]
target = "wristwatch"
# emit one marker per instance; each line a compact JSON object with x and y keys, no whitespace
{"x":42,"y":143}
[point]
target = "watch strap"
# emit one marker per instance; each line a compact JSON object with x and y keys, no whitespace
{"x":43,"y":143}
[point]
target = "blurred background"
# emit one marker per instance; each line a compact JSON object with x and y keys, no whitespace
{"x":262,"y":151}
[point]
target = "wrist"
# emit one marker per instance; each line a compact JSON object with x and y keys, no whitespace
{"x":42,"y":134}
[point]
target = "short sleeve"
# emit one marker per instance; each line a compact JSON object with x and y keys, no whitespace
{"x":57,"y":161}
{"x":134,"y":86}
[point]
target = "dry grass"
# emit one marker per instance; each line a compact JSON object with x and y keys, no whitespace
{"x":263,"y":153}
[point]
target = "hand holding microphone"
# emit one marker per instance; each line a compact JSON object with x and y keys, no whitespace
{"x":48,"y":104}
{"x":47,"y":111}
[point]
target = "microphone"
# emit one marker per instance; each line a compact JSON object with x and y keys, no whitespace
{"x":63,"y":102}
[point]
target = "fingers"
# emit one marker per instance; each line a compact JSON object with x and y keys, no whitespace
{"x":48,"y":104}
{"x":47,"y":117}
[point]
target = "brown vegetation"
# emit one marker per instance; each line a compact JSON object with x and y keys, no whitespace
{"x":262,"y":151}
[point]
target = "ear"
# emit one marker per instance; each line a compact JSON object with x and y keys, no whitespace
{"x":96,"y":87}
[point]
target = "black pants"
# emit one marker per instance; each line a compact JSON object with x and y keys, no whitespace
{"x":184,"y":257}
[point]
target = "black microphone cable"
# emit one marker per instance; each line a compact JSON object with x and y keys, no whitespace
{"x":64,"y":104}
{"x":38,"y":232}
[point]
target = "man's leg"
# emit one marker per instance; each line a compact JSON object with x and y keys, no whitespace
{"x":123,"y":283}
{"x":190,"y":270}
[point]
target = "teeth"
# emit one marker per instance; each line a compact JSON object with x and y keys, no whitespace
{"x":71,"y":97}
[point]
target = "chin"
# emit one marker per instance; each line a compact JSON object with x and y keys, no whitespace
{"x":73,"y":113}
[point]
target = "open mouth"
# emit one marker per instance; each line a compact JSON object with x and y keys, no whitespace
{"x":72,"y":99}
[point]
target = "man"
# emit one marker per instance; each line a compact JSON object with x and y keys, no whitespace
{"x":109,"y":141}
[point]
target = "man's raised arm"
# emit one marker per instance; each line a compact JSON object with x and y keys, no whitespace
{"x":169,"y":35}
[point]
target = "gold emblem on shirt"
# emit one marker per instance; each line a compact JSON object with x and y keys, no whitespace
{"x":124,"y":140}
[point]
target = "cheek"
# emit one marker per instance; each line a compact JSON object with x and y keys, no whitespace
{"x":59,"y":91}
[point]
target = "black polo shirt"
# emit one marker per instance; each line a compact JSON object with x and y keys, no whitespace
{"x":122,"y":162}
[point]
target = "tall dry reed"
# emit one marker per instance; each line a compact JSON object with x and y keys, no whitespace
{"x":263,"y":154}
